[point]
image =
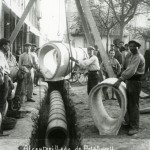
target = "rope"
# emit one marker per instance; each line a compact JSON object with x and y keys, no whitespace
{"x":70,"y":52}
{"x":58,"y":33}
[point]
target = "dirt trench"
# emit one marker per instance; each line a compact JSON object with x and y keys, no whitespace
{"x":38,"y":138}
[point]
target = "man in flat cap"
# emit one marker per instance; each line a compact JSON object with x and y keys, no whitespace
{"x":92,"y":64}
{"x":26,"y":59}
{"x":132,"y":75}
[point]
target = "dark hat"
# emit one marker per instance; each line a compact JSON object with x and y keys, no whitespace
{"x":34,"y":45}
{"x":27,"y":44}
{"x":91,"y":48}
{"x":137,"y":43}
{"x":4,"y":41}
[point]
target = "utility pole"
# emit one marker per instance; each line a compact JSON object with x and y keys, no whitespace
{"x":87,"y":12}
{"x":21,"y":21}
{"x":1,"y":20}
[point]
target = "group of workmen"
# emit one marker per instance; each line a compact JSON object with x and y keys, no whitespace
{"x":21,"y":72}
{"x":128,"y":65}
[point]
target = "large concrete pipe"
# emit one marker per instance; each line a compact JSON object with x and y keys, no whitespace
{"x":57,"y":130}
{"x":106,"y":124}
{"x":54,"y":60}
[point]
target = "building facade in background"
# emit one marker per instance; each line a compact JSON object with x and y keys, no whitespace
{"x":10,"y":13}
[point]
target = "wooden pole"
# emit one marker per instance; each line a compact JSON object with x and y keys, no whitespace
{"x":84,"y":24}
{"x":96,"y":35}
{"x":21,"y":21}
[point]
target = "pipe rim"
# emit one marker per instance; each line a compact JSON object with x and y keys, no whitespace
{"x":119,"y":119}
{"x":58,"y":59}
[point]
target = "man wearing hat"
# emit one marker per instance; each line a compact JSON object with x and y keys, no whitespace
{"x":5,"y":80}
{"x":36,"y":73}
{"x":92,"y":64}
{"x":132,"y":75}
{"x":26,"y":59}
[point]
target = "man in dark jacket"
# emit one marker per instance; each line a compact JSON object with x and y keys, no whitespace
{"x":132,"y":75}
{"x":147,"y":60}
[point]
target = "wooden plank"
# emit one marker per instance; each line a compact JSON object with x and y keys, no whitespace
{"x":84,"y":24}
{"x":96,"y":35}
{"x":21,"y":21}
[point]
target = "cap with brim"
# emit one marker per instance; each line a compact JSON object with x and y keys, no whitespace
{"x":27,"y":44}
{"x":137,"y":43}
{"x":34,"y":45}
{"x":91,"y":48}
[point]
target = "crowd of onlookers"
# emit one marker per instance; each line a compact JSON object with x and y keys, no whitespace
{"x":21,"y":67}
{"x":119,"y":56}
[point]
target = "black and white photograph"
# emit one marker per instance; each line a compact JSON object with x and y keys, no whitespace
{"x":74,"y":74}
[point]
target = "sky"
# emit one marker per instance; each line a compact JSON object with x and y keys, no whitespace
{"x":53,"y":20}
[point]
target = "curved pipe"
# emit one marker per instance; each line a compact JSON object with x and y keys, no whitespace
{"x":106,"y":124}
{"x":57,"y":130}
{"x":54,"y":60}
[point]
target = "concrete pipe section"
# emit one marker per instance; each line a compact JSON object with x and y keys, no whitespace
{"x":54,"y":60}
{"x":106,"y":124}
{"x":57,"y":130}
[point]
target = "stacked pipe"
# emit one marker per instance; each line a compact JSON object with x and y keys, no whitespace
{"x":57,"y":130}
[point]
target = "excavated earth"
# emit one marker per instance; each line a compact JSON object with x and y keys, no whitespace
{"x":89,"y":135}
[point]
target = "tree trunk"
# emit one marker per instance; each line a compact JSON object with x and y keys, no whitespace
{"x":121,"y":31}
{"x":107,"y":41}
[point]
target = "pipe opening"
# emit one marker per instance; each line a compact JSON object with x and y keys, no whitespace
{"x":48,"y":59}
{"x":56,"y":137}
{"x":108,"y":106}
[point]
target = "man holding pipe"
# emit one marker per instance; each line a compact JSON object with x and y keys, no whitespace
{"x":92,"y":64}
{"x":132,"y":75}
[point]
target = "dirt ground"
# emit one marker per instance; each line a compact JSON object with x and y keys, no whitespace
{"x":90,"y":138}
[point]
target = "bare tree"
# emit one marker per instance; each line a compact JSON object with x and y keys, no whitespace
{"x":104,"y":19}
{"x":140,"y":33}
{"x":123,"y":10}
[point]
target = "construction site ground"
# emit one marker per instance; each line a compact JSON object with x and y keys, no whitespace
{"x":90,"y":138}
{"x":20,"y":137}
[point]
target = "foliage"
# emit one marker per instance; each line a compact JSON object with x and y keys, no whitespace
{"x":76,"y":27}
{"x":113,"y":13}
{"x":139,"y":32}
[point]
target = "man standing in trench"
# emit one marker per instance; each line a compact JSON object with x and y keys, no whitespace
{"x":133,"y":75}
{"x":93,"y":67}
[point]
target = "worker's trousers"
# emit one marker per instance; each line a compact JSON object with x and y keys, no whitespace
{"x":133,"y":93}
{"x":29,"y":83}
{"x":92,"y":80}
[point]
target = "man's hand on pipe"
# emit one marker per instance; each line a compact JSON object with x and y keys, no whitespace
{"x":117,"y":83}
{"x":71,"y":58}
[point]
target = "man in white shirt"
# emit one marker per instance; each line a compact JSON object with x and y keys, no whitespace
{"x":92,"y":64}
{"x":126,"y":55}
{"x":28,"y":60}
{"x":5,"y":81}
